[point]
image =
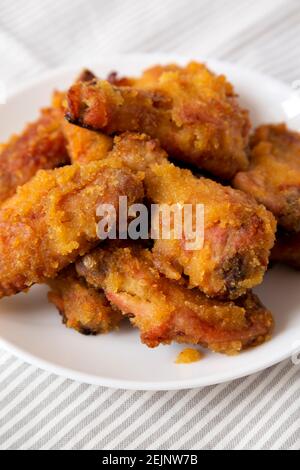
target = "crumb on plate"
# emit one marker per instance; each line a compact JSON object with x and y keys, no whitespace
{"x":189,"y":355}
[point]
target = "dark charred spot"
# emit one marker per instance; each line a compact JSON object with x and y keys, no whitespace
{"x":116,"y":80}
{"x":70,"y":118}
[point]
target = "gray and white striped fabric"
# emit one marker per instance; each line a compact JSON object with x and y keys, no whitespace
{"x":42,"y":411}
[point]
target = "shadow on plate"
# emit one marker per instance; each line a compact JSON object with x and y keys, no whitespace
{"x":280,"y":292}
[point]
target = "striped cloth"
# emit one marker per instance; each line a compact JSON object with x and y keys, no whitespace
{"x":41,"y":411}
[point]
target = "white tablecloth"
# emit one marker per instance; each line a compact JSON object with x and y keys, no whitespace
{"x":41,"y":411}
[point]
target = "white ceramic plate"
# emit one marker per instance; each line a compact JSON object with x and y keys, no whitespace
{"x":31,"y":328}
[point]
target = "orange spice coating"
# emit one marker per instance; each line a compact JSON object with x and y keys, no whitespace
{"x":83,"y":308}
{"x":194,"y":113}
{"x":238,"y":232}
{"x":52,"y":220}
{"x":165,"y":312}
{"x":40,"y":146}
{"x":274,"y":174}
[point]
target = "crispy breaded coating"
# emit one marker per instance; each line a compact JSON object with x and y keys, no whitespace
{"x":238,"y":233}
{"x":274,"y":174}
{"x":82,"y":307}
{"x":165,"y":312}
{"x":193,"y":112}
{"x":52,"y":220}
{"x":287,"y":249}
{"x":40,"y":146}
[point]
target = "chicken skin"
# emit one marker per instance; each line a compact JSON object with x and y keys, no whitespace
{"x":164,"y":311}
{"x":41,"y":146}
{"x":193,"y":112}
{"x":52,"y":220}
{"x":238,"y":233}
{"x":83,"y":308}
{"x":274,"y":174}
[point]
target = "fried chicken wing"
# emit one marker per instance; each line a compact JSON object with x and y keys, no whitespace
{"x":193,"y":112}
{"x":238,"y":233}
{"x":41,"y":146}
{"x":274,"y":174}
{"x":83,"y":145}
{"x":52,"y":220}
{"x":164,"y":311}
{"x":82,"y":307}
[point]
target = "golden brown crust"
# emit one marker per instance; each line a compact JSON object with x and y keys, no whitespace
{"x":239,"y":233}
{"x":164,"y":311}
{"x":83,"y":308}
{"x":194,"y":113}
{"x":287,"y":249}
{"x":52,"y":219}
{"x":274,"y":174}
{"x":41,"y":146}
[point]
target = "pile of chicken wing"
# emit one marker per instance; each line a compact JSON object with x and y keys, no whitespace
{"x":174,"y":135}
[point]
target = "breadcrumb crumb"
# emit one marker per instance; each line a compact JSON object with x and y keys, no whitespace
{"x":189,"y":355}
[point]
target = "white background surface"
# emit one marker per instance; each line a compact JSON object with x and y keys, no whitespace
{"x":39,"y":410}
